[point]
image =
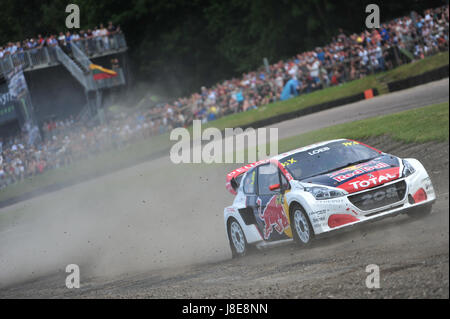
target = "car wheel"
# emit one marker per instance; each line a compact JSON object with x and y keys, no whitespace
{"x":420,"y":211}
{"x":302,"y":230}
{"x":238,"y":242}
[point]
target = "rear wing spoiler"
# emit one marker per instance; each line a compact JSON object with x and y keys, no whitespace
{"x":234,"y":177}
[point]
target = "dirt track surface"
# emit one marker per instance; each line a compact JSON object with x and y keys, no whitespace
{"x":140,"y":243}
{"x":156,"y":231}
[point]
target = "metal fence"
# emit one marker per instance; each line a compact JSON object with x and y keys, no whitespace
{"x":101,"y":45}
{"x":80,"y":57}
{"x":46,"y":56}
{"x":85,"y":62}
{"x":111,"y":82}
{"x":34,"y":58}
{"x":75,"y":70}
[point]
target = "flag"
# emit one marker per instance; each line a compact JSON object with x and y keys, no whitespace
{"x":101,"y":73}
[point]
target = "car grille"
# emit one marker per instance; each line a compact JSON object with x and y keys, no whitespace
{"x":379,"y":197}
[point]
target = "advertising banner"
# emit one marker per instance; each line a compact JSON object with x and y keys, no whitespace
{"x":7,"y":106}
{"x":15,"y":100}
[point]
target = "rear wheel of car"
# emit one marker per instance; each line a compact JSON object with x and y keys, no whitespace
{"x":238,"y":243}
{"x":302,"y":230}
{"x":420,"y":211}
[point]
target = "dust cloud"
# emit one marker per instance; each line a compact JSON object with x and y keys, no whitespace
{"x":151,"y":216}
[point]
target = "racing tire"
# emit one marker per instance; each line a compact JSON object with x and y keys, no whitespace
{"x":421,"y":211}
{"x":238,"y":242}
{"x":301,"y":227}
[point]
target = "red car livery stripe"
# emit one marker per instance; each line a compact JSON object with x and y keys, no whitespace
{"x":372,"y":179}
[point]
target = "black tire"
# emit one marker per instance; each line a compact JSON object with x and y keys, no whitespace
{"x":421,"y":211}
{"x":237,"y":250}
{"x":301,"y":227}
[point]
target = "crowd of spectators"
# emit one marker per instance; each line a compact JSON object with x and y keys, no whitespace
{"x":96,"y":36}
{"x":347,"y":57}
{"x":62,"y":142}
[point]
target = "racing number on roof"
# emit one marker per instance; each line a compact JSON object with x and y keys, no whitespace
{"x":289,"y":162}
{"x":350,"y":143}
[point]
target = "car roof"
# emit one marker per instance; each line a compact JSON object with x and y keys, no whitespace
{"x":244,"y":169}
{"x":306,"y":148}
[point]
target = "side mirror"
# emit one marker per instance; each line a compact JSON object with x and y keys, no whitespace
{"x":274,"y":187}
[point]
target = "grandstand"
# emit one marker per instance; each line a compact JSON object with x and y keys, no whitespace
{"x":57,"y":81}
{"x":60,"y":88}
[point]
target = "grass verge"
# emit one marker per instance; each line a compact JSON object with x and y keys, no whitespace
{"x":425,"y":124}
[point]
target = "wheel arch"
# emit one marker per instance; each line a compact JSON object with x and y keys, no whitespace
{"x":251,"y":232}
{"x":296,"y":203}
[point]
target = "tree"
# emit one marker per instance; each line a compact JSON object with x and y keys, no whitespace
{"x":185,"y":44}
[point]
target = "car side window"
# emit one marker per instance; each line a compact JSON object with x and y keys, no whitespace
{"x":249,"y":182}
{"x":267,"y":175}
{"x":284,"y":182}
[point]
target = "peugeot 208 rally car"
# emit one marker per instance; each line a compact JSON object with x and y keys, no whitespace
{"x":319,"y":189}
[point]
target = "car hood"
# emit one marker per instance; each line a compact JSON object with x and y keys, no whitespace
{"x":358,"y":177}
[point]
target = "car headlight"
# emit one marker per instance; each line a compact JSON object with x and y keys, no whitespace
{"x":324,"y":193}
{"x":408,"y":169}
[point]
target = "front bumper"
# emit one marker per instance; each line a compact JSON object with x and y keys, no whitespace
{"x":321,"y":212}
{"x":403,"y":209}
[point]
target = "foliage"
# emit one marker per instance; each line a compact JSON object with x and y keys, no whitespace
{"x":185,"y":44}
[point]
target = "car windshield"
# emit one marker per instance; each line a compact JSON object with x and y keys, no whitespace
{"x":327,"y":158}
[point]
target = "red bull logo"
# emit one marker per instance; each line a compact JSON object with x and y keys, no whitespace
{"x":273,"y":216}
{"x":356,"y":170}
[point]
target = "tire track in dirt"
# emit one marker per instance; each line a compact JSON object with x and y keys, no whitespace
{"x":186,"y":254}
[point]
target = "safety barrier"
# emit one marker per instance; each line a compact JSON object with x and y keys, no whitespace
{"x":433,"y":75}
{"x":312,"y":109}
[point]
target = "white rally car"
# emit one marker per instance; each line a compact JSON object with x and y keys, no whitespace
{"x":319,"y":189}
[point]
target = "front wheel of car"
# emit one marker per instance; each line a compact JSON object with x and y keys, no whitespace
{"x":302,"y":230}
{"x":238,"y":243}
